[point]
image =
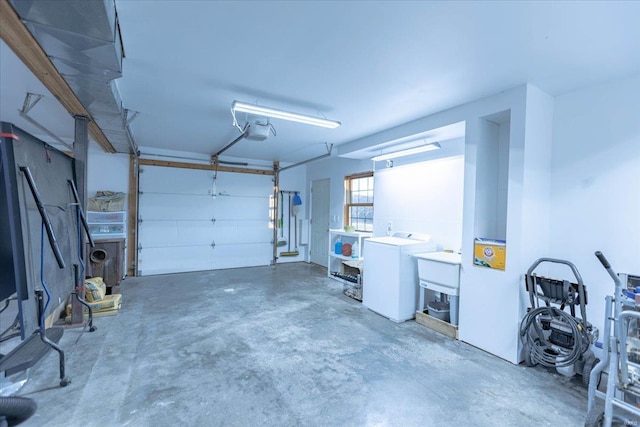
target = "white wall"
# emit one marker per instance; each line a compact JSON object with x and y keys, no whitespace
{"x":294,"y":180}
{"x":573,"y":188}
{"x":488,"y":165}
{"x":502,"y":180}
{"x":336,"y":168}
{"x":424,"y":197}
{"x":491,"y":300}
{"x":106,"y":171}
{"x":595,"y":197}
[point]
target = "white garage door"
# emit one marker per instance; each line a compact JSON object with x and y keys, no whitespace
{"x":189,"y":223}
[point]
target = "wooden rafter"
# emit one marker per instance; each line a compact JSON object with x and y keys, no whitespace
{"x":219,"y":168}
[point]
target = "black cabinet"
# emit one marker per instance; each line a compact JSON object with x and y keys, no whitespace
{"x":107,"y":260}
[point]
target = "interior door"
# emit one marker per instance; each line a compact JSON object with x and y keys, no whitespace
{"x":194,"y":220}
{"x":319,"y":222}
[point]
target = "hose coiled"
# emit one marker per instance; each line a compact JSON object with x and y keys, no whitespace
{"x":544,"y":352}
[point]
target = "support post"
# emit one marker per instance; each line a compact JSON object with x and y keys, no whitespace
{"x":276,"y":210}
{"x":132,"y":226}
{"x":80,"y":156}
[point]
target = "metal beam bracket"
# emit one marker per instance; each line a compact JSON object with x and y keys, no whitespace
{"x":30,"y":101}
{"x":329,"y":149}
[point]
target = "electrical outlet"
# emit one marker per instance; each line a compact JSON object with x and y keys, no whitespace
{"x":389,"y":228}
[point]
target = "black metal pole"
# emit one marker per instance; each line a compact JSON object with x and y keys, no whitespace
{"x":243,"y":135}
{"x":44,"y":215}
{"x":85,"y":225}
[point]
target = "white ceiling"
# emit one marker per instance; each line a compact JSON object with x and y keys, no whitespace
{"x":370,"y":65}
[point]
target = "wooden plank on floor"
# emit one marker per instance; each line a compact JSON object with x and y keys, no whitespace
{"x":437,"y":325}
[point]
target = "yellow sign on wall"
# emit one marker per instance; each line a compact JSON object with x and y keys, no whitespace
{"x":490,"y":253}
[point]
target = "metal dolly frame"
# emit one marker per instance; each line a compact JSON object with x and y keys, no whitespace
{"x":616,"y":358}
{"x":567,"y":346}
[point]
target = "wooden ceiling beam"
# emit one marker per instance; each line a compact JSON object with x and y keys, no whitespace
{"x":219,"y":168}
{"x":16,"y":35}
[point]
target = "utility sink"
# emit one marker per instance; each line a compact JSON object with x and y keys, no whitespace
{"x":439,"y":271}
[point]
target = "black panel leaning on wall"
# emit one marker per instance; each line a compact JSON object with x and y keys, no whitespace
{"x":12,"y":274}
{"x":51,"y":170}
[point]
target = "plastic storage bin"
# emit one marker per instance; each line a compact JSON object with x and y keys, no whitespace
{"x":107,"y":225}
{"x":106,"y":229}
{"x":439,"y":310}
{"x":109,"y":217}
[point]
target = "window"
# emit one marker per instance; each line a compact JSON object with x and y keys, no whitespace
{"x":358,"y":210}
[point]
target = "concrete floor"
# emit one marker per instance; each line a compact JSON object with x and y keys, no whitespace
{"x":283,"y":347}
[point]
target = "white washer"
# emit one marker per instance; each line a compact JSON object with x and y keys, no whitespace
{"x":390,"y":276}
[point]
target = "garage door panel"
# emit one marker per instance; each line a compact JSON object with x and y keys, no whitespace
{"x":157,"y":233}
{"x":175,"y":207}
{"x":241,"y":255}
{"x":229,"y":232}
{"x":182,"y":259}
{"x":196,"y":232}
{"x":246,"y":185}
{"x":176,"y":233}
{"x":156,"y":179}
{"x":181,"y":220}
{"x":241,"y":208}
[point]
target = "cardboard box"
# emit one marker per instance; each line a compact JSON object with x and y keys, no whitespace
{"x":490,"y":253}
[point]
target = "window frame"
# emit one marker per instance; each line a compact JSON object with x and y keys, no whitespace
{"x":347,"y":197}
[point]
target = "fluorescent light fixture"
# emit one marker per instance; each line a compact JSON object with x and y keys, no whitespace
{"x":407,"y":152}
{"x":284,"y":115}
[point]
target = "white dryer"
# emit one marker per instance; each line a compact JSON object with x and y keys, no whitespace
{"x":390,"y":276}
